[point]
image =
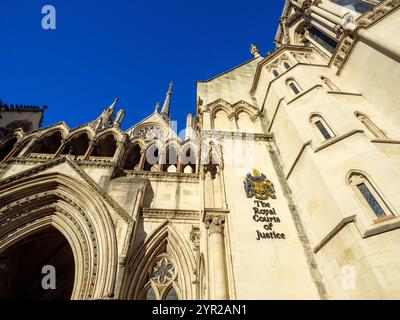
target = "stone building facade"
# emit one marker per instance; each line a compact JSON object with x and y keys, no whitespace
{"x":284,"y":184}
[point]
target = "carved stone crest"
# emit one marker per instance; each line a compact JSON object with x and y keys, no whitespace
{"x":257,"y":185}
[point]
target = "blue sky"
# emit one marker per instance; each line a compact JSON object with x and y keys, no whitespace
{"x":126,"y":49}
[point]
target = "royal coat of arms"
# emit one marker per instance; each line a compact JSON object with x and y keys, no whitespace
{"x":257,"y":185}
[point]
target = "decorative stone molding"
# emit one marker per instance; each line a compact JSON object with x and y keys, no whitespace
{"x":221,"y":135}
{"x":164,"y":176}
{"x":170,"y":214}
{"x":343,"y":50}
{"x":378,"y":13}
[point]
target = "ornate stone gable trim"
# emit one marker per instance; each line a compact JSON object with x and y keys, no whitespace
{"x":272,"y":56}
{"x":83,"y":175}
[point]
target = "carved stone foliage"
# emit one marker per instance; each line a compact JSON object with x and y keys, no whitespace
{"x":215,"y":223}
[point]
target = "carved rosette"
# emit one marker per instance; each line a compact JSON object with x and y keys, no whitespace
{"x":215,"y":224}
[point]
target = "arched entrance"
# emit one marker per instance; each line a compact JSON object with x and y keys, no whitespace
{"x":21,"y":267}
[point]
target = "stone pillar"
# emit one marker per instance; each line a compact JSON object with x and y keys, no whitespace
{"x":217,"y":257}
{"x":142,"y":160}
{"x":223,"y":189}
{"x":117,"y":155}
{"x":233,"y":122}
{"x":64,"y":144}
{"x":13,"y":151}
{"x":92,"y":145}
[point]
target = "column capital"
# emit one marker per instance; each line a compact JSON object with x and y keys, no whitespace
{"x":215,"y":223}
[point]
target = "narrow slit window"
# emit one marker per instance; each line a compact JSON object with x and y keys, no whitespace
{"x":324,"y":131}
{"x":372,"y":202}
{"x":294,"y":88}
{"x":276,"y":73}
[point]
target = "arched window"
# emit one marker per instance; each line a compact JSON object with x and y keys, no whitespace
{"x":133,"y":158}
{"x":321,"y":39}
{"x":150,"y":294}
{"x":49,"y":144}
{"x":321,"y":126}
{"x":329,"y":84}
{"x":286,"y":65}
{"x":221,"y":121}
{"x":244,"y":122}
{"x":368,"y":196}
{"x":162,"y":282}
{"x":370,"y":125}
{"x":275,"y":73}
{"x":171,"y":294}
{"x":152,"y":159}
{"x":294,"y":87}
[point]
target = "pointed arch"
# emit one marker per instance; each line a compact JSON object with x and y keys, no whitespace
{"x":77,"y":212}
{"x":319,"y":124}
{"x":133,"y":157}
{"x":329,"y":84}
{"x":164,"y":240}
{"x":152,"y":157}
{"x":50,"y":142}
{"x":371,"y":127}
{"x":369,"y":195}
{"x":106,"y":145}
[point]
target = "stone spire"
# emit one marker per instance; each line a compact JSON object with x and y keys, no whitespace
{"x":106,"y":117}
{"x":254,"y":51}
{"x":165,"y":109}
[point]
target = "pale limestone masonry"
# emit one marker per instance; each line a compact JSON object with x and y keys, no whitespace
{"x":284,"y":185}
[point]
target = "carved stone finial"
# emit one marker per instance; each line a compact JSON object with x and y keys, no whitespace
{"x":254,"y":51}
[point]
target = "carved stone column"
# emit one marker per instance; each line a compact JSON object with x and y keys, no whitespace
{"x":217,"y":257}
{"x":195,"y":239}
{"x":92,"y":145}
{"x":14,"y":150}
